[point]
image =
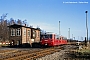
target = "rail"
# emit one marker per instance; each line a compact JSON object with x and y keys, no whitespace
{"x":28,"y":54}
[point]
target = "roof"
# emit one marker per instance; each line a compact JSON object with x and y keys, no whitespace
{"x":47,"y":33}
{"x":51,"y":33}
{"x":16,"y":26}
{"x":38,"y":29}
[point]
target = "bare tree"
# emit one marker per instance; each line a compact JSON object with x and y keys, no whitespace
{"x":19,"y":22}
{"x":3,"y":28}
{"x":12,"y":21}
{"x":25,"y":21}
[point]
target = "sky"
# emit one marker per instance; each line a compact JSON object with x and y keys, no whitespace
{"x":46,"y":14}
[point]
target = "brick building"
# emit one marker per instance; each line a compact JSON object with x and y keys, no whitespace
{"x":21,"y":34}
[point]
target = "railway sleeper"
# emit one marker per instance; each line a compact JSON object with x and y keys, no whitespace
{"x":32,"y":54}
{"x":41,"y":55}
{"x":21,"y":57}
{"x":47,"y":53}
{"x":15,"y":55}
{"x":38,"y":56}
{"x":28,"y":56}
{"x":11,"y":57}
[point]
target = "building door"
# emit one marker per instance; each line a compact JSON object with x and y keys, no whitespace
{"x":18,"y":42}
{"x":12,"y":42}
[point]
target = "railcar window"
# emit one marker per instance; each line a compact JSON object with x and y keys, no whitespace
{"x":50,"y":36}
{"x":56,"y":36}
{"x":46,"y":36}
{"x":64,"y":38}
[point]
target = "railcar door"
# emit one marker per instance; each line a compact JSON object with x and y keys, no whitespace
{"x":56,"y":40}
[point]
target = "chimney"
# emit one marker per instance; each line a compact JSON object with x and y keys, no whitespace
{"x":25,"y":25}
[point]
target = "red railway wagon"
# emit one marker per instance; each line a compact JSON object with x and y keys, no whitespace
{"x":52,"y":40}
{"x":63,"y":40}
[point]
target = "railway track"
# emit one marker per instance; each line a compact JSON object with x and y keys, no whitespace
{"x":15,"y":53}
{"x":28,"y":54}
{"x":5,"y":51}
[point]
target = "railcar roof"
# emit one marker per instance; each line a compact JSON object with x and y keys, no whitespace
{"x":48,"y":34}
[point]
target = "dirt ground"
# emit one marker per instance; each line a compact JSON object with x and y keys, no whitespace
{"x":70,"y":53}
{"x":66,"y":53}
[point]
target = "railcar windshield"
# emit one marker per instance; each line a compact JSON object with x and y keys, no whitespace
{"x":47,"y":36}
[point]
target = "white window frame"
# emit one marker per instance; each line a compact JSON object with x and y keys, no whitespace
{"x":28,"y":32}
{"x":12,"y":32}
{"x":18,"y":32}
{"x":34,"y":32}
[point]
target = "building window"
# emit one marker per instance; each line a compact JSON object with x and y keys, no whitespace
{"x":18,"y":32}
{"x":12,"y":32}
{"x":25,"y":31}
{"x":28,"y":32}
{"x":34,"y":33}
{"x":18,"y":42}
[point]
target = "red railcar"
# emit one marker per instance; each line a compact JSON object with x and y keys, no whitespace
{"x":52,"y":40}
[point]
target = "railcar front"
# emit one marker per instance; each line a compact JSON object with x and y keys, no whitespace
{"x":47,"y":40}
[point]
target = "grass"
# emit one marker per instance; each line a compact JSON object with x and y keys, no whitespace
{"x":3,"y":45}
{"x":84,"y":50}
